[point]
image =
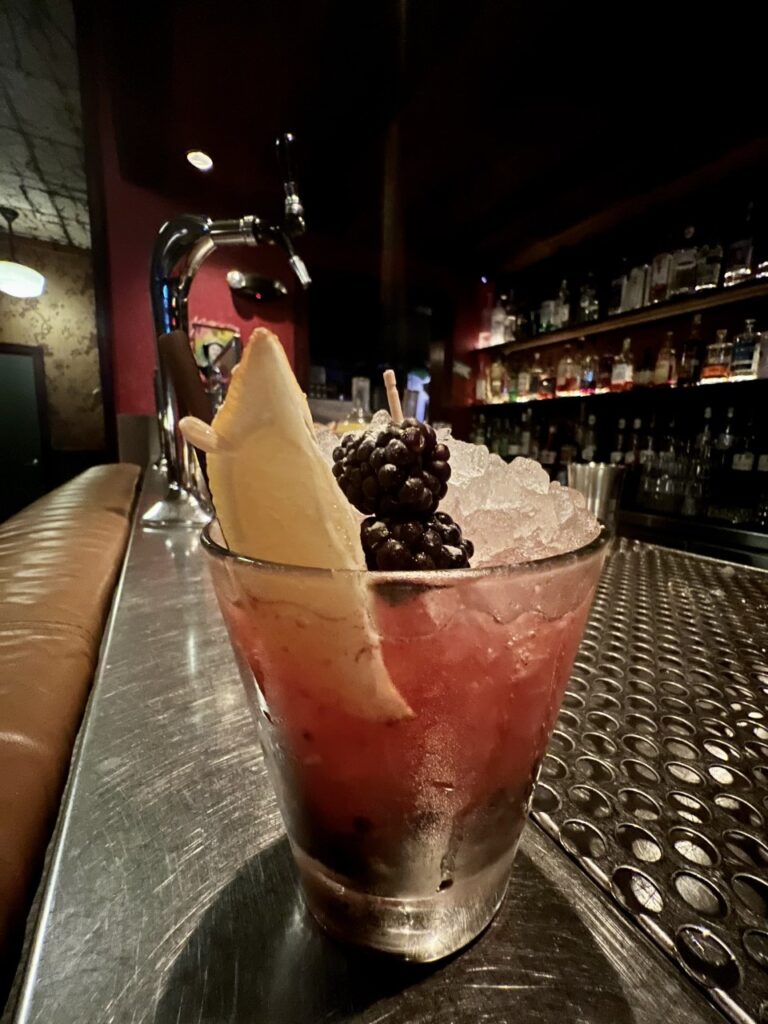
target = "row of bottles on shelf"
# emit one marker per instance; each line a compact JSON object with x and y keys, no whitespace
{"x":581,"y":371}
{"x":717,"y":471}
{"x":689,"y":267}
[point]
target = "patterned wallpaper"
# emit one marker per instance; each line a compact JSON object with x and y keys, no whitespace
{"x":63,"y":321}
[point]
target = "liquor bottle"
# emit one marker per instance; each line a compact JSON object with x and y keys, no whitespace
{"x":744,"y":451}
{"x":589,"y":363}
{"x":643,"y":377}
{"x":547,"y":382}
{"x":724,"y":442}
{"x":762,"y":359}
{"x":617,"y":291}
{"x":524,"y":384}
{"x":636,"y":291}
{"x":479,"y":436}
{"x":515,"y":442}
{"x":537,"y":372}
{"x":497,"y":379}
{"x":482,"y":381}
{"x":665,"y":374}
{"x":604,"y":371}
{"x":717,"y":365}
{"x":569,"y":451}
{"x":682,"y":273}
{"x":658,"y":277}
{"x":547,"y":316}
{"x":704,"y":437}
{"x":567,"y":380}
{"x":498,"y":321}
{"x":548,"y":450}
{"x":589,"y":442}
{"x":562,"y":307}
{"x":513,"y":380}
{"x":738,"y":261}
{"x":525,"y":433}
{"x":510,"y":321}
{"x":746,"y":353}
{"x":632,"y":454}
{"x":619,"y":443}
{"x":589,"y":307}
{"x":709,"y":266}
{"x":689,"y":368}
{"x":623,"y":369}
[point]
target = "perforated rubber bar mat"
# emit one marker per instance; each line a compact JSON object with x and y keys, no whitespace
{"x":656,"y":779}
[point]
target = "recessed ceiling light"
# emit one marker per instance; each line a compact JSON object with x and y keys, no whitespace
{"x":199,"y":159}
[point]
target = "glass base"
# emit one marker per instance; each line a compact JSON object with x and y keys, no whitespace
{"x":419,"y":929}
{"x":179,"y":508}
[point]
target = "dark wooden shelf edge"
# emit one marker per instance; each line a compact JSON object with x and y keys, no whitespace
{"x":643,"y":392}
{"x":650,"y":314}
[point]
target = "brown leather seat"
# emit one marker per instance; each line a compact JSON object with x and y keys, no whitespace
{"x":59,"y":562}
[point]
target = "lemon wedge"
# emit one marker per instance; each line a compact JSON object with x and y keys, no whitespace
{"x":276,"y":500}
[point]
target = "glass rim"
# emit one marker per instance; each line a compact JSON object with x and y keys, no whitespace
{"x":417,"y":576}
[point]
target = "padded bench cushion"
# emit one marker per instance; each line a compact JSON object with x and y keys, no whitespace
{"x":59,"y":562}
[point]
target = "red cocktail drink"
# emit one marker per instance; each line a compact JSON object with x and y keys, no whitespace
{"x":404,"y":824}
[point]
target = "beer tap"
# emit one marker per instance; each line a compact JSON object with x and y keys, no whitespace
{"x":181,"y":247}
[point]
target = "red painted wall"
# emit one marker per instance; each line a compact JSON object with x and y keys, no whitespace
{"x":133,"y":217}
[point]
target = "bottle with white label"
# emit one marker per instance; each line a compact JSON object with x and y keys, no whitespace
{"x":562,"y":307}
{"x":623,"y":368}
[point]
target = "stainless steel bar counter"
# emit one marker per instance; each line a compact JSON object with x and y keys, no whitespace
{"x":171,"y":895}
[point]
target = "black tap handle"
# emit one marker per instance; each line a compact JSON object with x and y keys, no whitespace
{"x":294,"y":211}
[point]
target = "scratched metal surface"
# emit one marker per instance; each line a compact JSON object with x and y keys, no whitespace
{"x":172,"y":897}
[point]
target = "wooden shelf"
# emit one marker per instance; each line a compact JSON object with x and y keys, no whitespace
{"x":663,"y":311}
{"x":642,"y":393}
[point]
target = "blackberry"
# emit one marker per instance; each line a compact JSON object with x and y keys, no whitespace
{"x":401,"y":472}
{"x":433,"y":543}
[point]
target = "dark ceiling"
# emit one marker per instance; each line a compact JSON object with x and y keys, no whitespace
{"x":496,"y":124}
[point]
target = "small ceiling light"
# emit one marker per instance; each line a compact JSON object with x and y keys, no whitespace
{"x":199,"y":159}
{"x":16,"y":279}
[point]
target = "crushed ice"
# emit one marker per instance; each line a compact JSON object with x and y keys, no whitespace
{"x":510,"y":511}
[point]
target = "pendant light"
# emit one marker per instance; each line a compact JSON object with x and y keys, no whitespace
{"x":16,"y":279}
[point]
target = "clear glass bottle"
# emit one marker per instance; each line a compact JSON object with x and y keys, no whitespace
{"x":632,"y":454}
{"x":665,"y":373}
{"x":658,"y":277}
{"x":619,"y":443}
{"x":589,"y":363}
{"x":589,"y":443}
{"x":537,"y":372}
{"x":567,"y":381}
{"x":497,"y":378}
{"x":689,"y":367}
{"x":762,"y":359}
{"x":717,"y":365}
{"x":604,"y":371}
{"x":738,"y":260}
{"x":623,"y":368}
{"x":562,"y":307}
{"x":525,"y":433}
{"x":744,"y":451}
{"x":709,"y":267}
{"x":682,"y":273}
{"x":636,"y":291}
{"x":589,"y":306}
{"x":746,"y":353}
{"x":524,"y":383}
{"x":498,"y":321}
{"x":547,"y":382}
{"x":617,"y":291}
{"x":547,"y":316}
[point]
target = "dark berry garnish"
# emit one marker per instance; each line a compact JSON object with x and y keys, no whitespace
{"x":400,"y":472}
{"x":397,"y":544}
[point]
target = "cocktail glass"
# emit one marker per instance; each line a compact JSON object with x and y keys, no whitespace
{"x":404,"y":829}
